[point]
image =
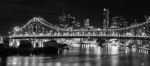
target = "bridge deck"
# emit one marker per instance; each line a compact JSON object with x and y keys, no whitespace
{"x":119,"y":37}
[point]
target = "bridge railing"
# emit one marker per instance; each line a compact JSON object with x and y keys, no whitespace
{"x":79,"y":35}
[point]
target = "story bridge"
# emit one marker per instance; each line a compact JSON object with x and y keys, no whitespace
{"x":38,"y":28}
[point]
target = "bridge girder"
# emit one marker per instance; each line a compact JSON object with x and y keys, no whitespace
{"x":38,"y":26}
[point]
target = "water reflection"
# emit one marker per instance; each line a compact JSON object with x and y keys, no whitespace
{"x":84,"y":55}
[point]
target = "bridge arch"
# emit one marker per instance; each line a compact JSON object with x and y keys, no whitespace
{"x":40,"y":27}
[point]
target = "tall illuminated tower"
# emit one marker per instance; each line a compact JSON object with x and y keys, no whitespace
{"x":106,"y":19}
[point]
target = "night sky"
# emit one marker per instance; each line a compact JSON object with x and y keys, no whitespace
{"x":18,"y":12}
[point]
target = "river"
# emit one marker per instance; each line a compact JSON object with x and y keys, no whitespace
{"x":83,"y":55}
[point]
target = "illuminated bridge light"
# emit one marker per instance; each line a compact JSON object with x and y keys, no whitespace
{"x":20,"y":32}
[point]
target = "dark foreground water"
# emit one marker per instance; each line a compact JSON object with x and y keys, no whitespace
{"x":83,"y":55}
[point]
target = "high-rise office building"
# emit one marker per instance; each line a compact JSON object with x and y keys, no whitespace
{"x":66,"y":20}
{"x":86,"y":23}
{"x":119,"y":21}
{"x":106,"y":19}
{"x":1,"y":39}
{"x":76,"y":24}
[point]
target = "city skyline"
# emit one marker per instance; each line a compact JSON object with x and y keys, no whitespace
{"x":17,"y":13}
{"x":74,"y":33}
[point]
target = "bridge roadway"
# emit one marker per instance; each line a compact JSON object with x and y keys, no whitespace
{"x":57,"y":36}
{"x":41,"y":26}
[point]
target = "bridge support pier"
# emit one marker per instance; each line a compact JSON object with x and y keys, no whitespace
{"x":14,"y":42}
{"x":36,"y":43}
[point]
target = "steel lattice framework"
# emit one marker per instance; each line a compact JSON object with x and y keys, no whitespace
{"x":38,"y":27}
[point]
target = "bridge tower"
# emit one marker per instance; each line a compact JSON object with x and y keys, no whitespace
{"x":106,"y":19}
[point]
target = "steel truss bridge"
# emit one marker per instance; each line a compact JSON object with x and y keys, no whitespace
{"x":39,"y":28}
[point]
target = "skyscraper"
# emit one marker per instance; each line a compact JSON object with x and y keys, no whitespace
{"x":86,"y":23}
{"x":66,"y":20}
{"x":106,"y":18}
{"x":76,"y":24}
{"x":1,"y":39}
{"x":119,"y":21}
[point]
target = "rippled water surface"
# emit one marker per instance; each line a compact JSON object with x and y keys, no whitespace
{"x":83,"y":55}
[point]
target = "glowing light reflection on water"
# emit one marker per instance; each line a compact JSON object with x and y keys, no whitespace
{"x":84,"y":55}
